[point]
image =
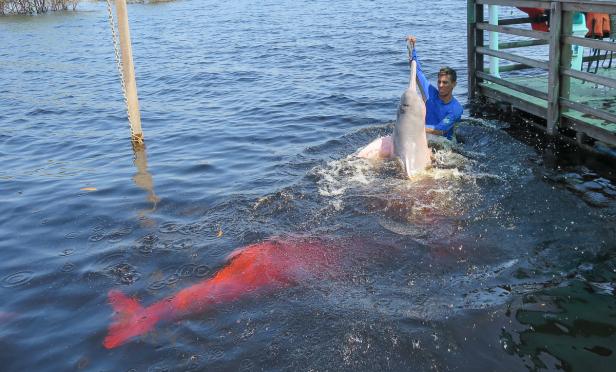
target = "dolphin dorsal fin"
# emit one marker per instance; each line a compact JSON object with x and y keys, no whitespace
{"x":412,"y":80}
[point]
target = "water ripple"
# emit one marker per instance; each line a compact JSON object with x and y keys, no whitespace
{"x":17,"y":279}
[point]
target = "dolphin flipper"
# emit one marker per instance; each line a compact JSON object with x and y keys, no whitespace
{"x":380,"y":148}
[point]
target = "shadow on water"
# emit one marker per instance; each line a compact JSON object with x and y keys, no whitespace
{"x":567,"y":322}
{"x":570,"y":327}
{"x":587,"y":171}
{"x":143,"y":179}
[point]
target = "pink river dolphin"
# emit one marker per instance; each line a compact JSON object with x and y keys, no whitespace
{"x":256,"y":269}
{"x":408,"y":142}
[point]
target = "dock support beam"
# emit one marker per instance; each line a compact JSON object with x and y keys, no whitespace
{"x":554,"y":77}
{"x":566,"y":55}
{"x":494,"y":61}
{"x":474,"y":39}
{"x":470,"y":48}
{"x":128,"y":73}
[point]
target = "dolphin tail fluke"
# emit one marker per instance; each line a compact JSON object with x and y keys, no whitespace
{"x":129,"y":320}
{"x":413,"y":79}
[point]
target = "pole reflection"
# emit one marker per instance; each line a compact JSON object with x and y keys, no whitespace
{"x":143,"y":178}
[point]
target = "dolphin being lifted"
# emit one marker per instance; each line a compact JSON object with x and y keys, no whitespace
{"x":259,"y":268}
{"x":408,"y":142}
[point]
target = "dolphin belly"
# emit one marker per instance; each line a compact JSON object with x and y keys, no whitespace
{"x":409,"y":138}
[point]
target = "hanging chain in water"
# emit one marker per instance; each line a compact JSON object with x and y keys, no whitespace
{"x":119,"y":64}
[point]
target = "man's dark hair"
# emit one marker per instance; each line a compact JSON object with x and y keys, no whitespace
{"x":448,"y":71}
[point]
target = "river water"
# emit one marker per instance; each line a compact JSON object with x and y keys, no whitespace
{"x":497,"y":258}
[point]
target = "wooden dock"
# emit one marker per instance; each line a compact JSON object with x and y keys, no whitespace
{"x":569,"y":102}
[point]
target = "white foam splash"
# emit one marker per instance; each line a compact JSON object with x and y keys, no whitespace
{"x":442,"y":184}
{"x":339,"y":175}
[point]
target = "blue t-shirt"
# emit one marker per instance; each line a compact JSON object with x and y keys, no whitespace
{"x":439,"y":115}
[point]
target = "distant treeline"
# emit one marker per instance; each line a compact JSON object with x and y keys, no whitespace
{"x":35,"y":6}
{"x":43,"y":6}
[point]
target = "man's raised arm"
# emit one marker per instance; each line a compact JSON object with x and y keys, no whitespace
{"x":422,"y":82}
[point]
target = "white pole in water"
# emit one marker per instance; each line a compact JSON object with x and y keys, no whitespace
{"x":494,"y":62}
{"x":128,"y":71}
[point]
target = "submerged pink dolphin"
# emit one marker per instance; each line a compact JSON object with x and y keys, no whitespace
{"x":408,"y":142}
{"x":255,"y":269}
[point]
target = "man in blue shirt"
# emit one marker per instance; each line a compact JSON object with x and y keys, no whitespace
{"x":442,"y":109}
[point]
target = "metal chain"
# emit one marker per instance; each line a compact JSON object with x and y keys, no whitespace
{"x":119,"y":64}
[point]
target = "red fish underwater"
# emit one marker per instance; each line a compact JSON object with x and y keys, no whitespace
{"x":255,"y":269}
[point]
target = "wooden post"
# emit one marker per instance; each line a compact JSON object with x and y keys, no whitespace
{"x":565,"y":56}
{"x":470,"y":48}
{"x":554,"y":75}
{"x":128,"y":72}
{"x":493,"y":19}
{"x":478,"y":39}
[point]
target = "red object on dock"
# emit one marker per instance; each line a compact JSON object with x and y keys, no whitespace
{"x":598,"y":25}
{"x":536,"y":13}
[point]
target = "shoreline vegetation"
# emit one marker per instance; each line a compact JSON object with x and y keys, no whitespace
{"x":8,"y":7}
{"x":32,"y":7}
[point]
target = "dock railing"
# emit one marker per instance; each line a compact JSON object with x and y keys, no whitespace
{"x":554,"y":103}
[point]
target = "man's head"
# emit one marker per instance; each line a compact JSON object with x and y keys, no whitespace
{"x":446,"y":82}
